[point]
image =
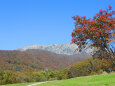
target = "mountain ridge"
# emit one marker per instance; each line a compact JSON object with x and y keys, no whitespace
{"x":67,"y":49}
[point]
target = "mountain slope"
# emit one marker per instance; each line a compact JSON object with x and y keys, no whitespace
{"x":34,"y":60}
{"x":39,"y":57}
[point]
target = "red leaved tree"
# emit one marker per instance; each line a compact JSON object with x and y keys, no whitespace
{"x":99,"y":32}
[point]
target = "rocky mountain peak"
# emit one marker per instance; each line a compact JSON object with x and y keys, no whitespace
{"x":67,"y":48}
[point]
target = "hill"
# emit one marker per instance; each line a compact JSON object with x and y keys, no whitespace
{"x":35,"y":60}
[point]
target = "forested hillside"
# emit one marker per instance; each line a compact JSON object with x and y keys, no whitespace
{"x":35,"y":60}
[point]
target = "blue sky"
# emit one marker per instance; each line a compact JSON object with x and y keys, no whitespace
{"x":28,"y":22}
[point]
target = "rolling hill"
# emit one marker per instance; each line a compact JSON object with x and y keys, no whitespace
{"x":35,"y":60}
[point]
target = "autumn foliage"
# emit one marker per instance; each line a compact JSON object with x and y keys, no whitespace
{"x":99,"y":32}
{"x":91,"y":66}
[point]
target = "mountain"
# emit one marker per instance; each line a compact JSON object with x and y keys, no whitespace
{"x":39,"y":57}
{"x":67,"y":49}
{"x":35,"y":60}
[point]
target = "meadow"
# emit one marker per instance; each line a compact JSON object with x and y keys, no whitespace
{"x":94,"y":80}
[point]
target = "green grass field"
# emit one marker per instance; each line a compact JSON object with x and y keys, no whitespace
{"x":96,"y":80}
{"x":19,"y":84}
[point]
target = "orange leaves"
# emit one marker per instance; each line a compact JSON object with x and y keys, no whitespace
{"x":73,"y":34}
{"x":74,"y":39}
{"x":113,"y":12}
{"x":113,"y":35}
{"x":85,"y":35}
{"x":101,"y":11}
{"x":110,"y":39}
{"x":93,"y":28}
{"x":99,"y":30}
{"x":98,"y":14}
{"x":110,"y":14}
{"x":96,"y":34}
{"x":110,"y":7}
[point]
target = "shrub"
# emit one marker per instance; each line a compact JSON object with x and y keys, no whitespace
{"x":90,"y":66}
{"x":7,"y":77}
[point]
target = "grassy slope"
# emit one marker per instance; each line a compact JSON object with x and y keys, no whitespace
{"x":19,"y":84}
{"x":97,"y":80}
